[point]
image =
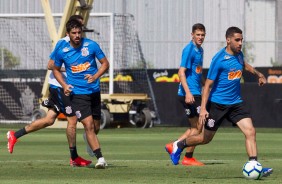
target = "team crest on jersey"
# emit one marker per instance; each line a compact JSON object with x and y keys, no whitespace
{"x":84,"y":51}
{"x":66,"y":49}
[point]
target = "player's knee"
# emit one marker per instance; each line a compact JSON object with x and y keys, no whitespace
{"x":251,"y":132}
{"x":96,"y":126}
{"x":97,"y":129}
{"x":206,"y":139}
{"x":49,"y":122}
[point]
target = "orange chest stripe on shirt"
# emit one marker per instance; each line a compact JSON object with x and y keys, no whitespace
{"x":234,"y":75}
{"x":80,"y":67}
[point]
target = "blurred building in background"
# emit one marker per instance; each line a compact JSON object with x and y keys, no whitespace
{"x":164,"y":27}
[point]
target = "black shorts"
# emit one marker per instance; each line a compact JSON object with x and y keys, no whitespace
{"x":58,"y":101}
{"x":86,"y":105}
{"x":191,"y":110}
{"x":218,"y":112}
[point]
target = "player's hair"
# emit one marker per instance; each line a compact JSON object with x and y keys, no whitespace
{"x":198,"y":26}
{"x":73,"y":24}
{"x":76,"y":17}
{"x":231,"y":31}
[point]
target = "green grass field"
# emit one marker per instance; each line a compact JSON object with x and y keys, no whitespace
{"x":135,"y":156}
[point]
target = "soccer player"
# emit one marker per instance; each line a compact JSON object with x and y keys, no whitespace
{"x":224,"y":100}
{"x":190,"y":88}
{"x":82,"y":83}
{"x":56,"y":103}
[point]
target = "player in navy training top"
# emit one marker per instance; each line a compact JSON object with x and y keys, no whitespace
{"x":224,"y":101}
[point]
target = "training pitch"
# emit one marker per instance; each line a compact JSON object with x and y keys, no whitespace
{"x":135,"y":156}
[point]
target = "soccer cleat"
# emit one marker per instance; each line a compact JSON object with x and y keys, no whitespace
{"x":191,"y":162}
{"x":79,"y":162}
{"x":169,"y":148}
{"x":175,"y":155}
{"x":11,"y":141}
{"x":266,"y":172}
{"x":101,"y":164}
{"x":88,"y":149}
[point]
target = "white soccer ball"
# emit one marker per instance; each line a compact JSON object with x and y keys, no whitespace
{"x":252,"y":170}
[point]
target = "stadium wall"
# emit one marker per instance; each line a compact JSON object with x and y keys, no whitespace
{"x":20,"y":92}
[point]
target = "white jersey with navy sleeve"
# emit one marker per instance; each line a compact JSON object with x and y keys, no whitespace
{"x":79,"y":62}
{"x":192,"y":60}
{"x":226,"y":71}
{"x":52,"y":80}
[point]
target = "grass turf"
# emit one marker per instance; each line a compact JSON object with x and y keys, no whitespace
{"x":135,"y":156}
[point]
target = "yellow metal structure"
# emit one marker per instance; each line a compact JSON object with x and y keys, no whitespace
{"x":121,"y":103}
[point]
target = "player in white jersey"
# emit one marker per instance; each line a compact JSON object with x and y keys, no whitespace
{"x":57,"y":103}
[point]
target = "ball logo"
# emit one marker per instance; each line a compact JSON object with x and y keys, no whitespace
{"x":68,"y":110}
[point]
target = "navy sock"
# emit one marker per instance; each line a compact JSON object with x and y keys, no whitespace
{"x":98,"y":153}
{"x":20,"y":133}
{"x":182,"y":144}
{"x":253,"y":158}
{"x":73,"y":152}
{"x":189,"y":154}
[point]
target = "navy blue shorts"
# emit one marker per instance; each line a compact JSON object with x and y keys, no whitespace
{"x":58,"y":101}
{"x":87,"y":105}
{"x":218,"y":112}
{"x":191,"y":110}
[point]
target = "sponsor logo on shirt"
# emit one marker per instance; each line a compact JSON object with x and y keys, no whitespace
{"x":232,"y":75}
{"x":80,"y":68}
{"x":199,"y":69}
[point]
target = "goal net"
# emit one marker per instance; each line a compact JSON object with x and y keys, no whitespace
{"x":24,"y":52}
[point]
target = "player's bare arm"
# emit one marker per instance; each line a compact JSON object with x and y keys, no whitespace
{"x":189,"y":98}
{"x":205,"y":95}
{"x":59,"y":77}
{"x":51,"y":63}
{"x":260,"y":76}
{"x":103,"y":68}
